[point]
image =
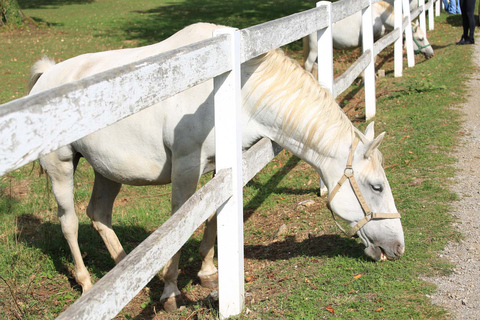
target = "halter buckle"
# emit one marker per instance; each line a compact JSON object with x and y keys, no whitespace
{"x":348,"y":171}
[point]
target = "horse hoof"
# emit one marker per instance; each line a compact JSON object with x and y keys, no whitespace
{"x":210,"y":281}
{"x":172,"y":304}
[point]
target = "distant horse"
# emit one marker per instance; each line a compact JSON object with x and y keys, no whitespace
{"x":347,"y":33}
{"x":173,"y":142}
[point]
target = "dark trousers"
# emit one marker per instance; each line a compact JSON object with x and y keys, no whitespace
{"x":468,"y":19}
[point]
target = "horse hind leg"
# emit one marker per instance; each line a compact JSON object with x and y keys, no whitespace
{"x":100,"y":212}
{"x":208,"y":274}
{"x":60,"y":167}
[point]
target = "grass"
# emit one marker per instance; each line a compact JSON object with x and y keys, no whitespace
{"x":312,"y":271}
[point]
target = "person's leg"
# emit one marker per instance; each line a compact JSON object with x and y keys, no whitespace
{"x":453,"y":7}
{"x":463,"y":6}
{"x":471,"y":19}
{"x":445,"y":5}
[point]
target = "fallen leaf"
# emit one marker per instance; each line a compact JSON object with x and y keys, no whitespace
{"x":352,"y":291}
{"x":330,"y":309}
{"x":357,"y":276}
{"x":379,"y":309}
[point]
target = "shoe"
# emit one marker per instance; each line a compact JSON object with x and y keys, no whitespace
{"x":462,"y":41}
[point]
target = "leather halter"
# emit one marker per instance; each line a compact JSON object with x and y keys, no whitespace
{"x":369,"y":215}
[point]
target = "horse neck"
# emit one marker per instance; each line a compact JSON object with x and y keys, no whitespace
{"x":295,"y":111}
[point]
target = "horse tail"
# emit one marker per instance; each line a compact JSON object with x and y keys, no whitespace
{"x":38,"y":69}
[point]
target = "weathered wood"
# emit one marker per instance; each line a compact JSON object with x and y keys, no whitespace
{"x":228,"y":154}
{"x":415,"y":13}
{"x":257,"y":157}
{"x":408,"y":33}
{"x":325,"y":56}
{"x":41,"y":123}
{"x":386,"y":40}
{"x":343,"y":9}
{"x":112,"y":292}
{"x":398,"y":46}
{"x":270,"y":35}
{"x":346,"y":79}
{"x":369,"y":73}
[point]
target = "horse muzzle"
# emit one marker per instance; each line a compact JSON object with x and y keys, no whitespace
{"x":385,"y":251}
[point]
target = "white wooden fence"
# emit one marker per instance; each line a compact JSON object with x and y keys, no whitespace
{"x":41,"y":123}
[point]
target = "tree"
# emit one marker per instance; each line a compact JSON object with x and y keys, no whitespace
{"x":10,"y":13}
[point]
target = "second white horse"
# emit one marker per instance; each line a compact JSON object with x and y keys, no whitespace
{"x":347,"y":33}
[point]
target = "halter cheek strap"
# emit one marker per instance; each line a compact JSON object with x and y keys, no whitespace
{"x":369,"y":215}
{"x":419,"y":50}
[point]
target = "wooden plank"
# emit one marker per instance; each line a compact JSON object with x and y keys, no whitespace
{"x":346,"y":79}
{"x":415,"y":13}
{"x":345,"y":8}
{"x":228,"y":154}
{"x":257,"y":157}
{"x":112,"y":292}
{"x":423,"y":22}
{"x":398,"y":46}
{"x":369,"y":73}
{"x":325,"y":55}
{"x":273,"y":34}
{"x":408,"y":33}
{"x":41,"y":123}
{"x":386,"y":40}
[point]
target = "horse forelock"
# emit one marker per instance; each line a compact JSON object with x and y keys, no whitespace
{"x":374,"y":165}
{"x":303,"y":104}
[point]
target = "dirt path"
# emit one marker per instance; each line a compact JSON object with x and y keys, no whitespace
{"x":460,"y":292}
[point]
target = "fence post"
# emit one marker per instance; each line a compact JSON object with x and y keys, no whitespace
{"x":325,"y":50}
{"x":325,"y":58}
{"x":369,"y":73}
{"x":398,"y":45}
{"x":438,"y":6}
{"x":228,"y":154}
{"x":408,"y":34}
{"x":431,"y":17}
{"x":423,"y":23}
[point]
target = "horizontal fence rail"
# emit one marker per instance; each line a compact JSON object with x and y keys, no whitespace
{"x":43,"y":122}
{"x":62,"y":115}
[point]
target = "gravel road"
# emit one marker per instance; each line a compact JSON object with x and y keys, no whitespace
{"x":459,"y":293}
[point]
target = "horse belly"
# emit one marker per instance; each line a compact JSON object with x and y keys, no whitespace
{"x":129,"y":152}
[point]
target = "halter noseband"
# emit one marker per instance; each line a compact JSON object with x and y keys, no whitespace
{"x":369,"y":215}
{"x":419,"y":50}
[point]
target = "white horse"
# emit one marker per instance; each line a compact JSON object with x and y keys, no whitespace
{"x":347,"y":33}
{"x":173,"y":142}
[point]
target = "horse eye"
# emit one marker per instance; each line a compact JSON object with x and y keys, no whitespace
{"x":377,"y":187}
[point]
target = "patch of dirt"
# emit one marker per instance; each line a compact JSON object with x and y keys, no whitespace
{"x":459,"y":292}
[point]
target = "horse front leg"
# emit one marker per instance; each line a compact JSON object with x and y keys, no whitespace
{"x":208,"y":274}
{"x":185,"y":176}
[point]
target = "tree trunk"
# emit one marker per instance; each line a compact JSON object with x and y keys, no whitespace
{"x":10,"y":13}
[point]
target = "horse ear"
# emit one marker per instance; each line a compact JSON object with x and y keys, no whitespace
{"x":370,"y":131}
{"x":415,"y":26}
{"x":374,"y":145}
{"x":360,"y":135}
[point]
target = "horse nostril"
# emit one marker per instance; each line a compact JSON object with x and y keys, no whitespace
{"x":400,"y":249}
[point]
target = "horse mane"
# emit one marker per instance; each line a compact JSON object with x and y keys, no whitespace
{"x":304,"y":105}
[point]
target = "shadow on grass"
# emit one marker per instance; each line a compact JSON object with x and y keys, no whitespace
{"x":455,"y":20}
{"x":161,"y":22}
{"x":40,"y":4}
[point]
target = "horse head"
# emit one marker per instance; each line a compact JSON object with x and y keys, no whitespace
{"x":420,"y":42}
{"x":362,"y":196}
